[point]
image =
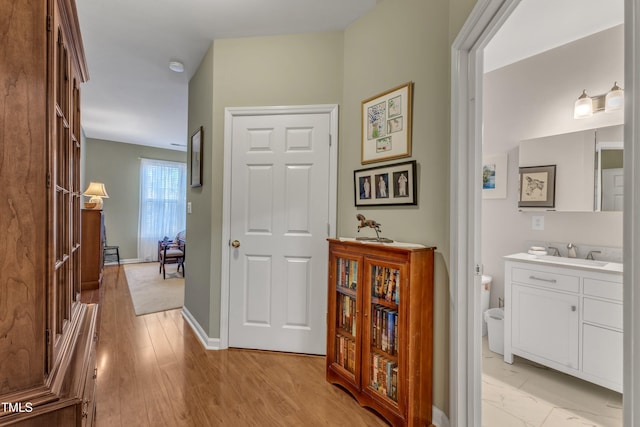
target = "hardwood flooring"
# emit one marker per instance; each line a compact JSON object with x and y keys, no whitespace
{"x":153,"y":371}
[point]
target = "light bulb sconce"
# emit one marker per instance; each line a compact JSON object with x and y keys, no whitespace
{"x":586,"y":105}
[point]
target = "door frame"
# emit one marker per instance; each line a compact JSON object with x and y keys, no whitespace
{"x":466,"y":157}
{"x":229,"y":114}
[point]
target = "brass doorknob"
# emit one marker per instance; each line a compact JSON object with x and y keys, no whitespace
{"x":235,"y":244}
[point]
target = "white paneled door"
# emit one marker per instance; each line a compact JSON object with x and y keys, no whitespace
{"x":280,"y":181}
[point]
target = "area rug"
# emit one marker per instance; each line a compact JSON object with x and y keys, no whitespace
{"x":149,"y":292}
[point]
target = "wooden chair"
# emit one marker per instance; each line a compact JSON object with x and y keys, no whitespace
{"x":171,"y":252}
{"x":109,"y":251}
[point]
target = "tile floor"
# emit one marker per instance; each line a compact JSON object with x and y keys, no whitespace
{"x":531,"y":395}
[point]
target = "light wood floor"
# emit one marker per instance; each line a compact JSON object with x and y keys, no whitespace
{"x":153,"y":371}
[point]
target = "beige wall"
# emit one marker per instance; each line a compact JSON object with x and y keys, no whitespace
{"x":378,"y":56}
{"x":117,"y":165}
{"x":397,"y":42}
{"x":202,"y":227}
{"x":257,"y":71}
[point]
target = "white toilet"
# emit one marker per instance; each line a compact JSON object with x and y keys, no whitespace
{"x":485,"y":294}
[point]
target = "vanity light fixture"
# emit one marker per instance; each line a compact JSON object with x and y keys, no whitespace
{"x":614,"y":99}
{"x":586,"y":105}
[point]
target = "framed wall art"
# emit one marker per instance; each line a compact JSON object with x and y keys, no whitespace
{"x":386,"y":125}
{"x":494,"y":177}
{"x":537,"y":187}
{"x":386,"y":185}
{"x":195,"y":147}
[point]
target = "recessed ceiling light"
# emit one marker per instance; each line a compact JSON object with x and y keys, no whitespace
{"x":176,"y":66}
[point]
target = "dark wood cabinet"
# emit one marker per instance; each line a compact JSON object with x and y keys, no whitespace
{"x":47,"y":336}
{"x":380,"y":327}
{"x":92,"y":248}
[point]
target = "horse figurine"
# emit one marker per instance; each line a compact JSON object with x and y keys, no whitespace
{"x":370,"y":223}
{"x":364,"y":222}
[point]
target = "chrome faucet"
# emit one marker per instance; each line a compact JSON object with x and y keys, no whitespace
{"x":571,"y":250}
{"x":555,"y":252}
{"x":590,"y":254}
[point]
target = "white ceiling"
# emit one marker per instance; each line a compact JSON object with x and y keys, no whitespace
{"x":133,"y":97}
{"x":539,"y":25}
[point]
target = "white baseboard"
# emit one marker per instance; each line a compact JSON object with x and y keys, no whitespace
{"x":439,"y":419}
{"x":126,"y":261}
{"x":208,"y":343}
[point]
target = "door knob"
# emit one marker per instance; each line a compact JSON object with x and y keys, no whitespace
{"x":235,"y":244}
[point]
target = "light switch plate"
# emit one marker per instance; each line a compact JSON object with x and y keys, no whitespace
{"x":188,"y":207}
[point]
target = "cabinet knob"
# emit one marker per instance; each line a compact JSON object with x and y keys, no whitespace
{"x":573,"y":308}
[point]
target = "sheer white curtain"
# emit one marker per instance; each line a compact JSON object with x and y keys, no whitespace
{"x":163,"y":204}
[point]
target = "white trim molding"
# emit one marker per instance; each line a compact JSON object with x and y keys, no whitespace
{"x":466,"y":140}
{"x":631,"y":215}
{"x":208,"y":343}
{"x":229,"y":114}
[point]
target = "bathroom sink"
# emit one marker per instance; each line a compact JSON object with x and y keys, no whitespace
{"x":572,"y":261}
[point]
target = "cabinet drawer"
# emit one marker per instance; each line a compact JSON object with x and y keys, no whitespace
{"x":546,"y":279}
{"x":602,"y":312}
{"x":603,"y":289}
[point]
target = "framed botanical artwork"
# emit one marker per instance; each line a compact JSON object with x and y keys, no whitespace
{"x":386,"y":125}
{"x":196,"y":158}
{"x":494,"y":177}
{"x":386,"y":185}
{"x":537,"y":187}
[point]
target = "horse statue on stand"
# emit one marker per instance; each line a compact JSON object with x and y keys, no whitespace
{"x":371,"y":223}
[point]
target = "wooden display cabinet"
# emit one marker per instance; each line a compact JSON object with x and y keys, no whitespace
{"x":380,"y":327}
{"x":47,"y":335}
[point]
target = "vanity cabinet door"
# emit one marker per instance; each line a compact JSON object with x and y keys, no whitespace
{"x":545,"y":324}
{"x":602,"y":354}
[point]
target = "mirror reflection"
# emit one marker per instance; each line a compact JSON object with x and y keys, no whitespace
{"x":578,"y":187}
{"x":610,"y":176}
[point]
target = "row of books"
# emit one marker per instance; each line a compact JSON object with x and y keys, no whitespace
{"x":386,"y":283}
{"x":347,"y":313}
{"x":346,"y":353}
{"x":347,"y":273}
{"x":384,"y":376}
{"x":384,"y":329}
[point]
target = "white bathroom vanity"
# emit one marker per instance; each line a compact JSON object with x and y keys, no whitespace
{"x":565,"y":313}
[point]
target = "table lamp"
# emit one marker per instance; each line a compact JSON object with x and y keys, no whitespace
{"x":97,"y":192}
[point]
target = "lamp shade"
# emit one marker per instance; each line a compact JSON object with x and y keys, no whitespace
{"x":583,"y":106}
{"x":97,"y":192}
{"x":96,"y":189}
{"x":614,"y":99}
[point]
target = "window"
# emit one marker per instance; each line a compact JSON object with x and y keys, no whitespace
{"x":163,"y":199}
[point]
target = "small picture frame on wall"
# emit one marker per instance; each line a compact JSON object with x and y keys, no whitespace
{"x":386,"y":125}
{"x":494,"y":177}
{"x":386,"y":185}
{"x":195,"y":148}
{"x":537,"y":187}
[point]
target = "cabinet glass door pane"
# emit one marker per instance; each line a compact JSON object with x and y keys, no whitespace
{"x":384,"y":326}
{"x":346,"y":319}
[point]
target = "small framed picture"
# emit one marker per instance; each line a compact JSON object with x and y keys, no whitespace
{"x":494,"y":177}
{"x":386,"y":185}
{"x":195,"y":147}
{"x":386,"y":125}
{"x":537,"y":187}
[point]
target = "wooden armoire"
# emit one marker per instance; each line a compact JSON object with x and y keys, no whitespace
{"x":47,"y":336}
